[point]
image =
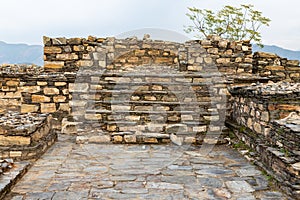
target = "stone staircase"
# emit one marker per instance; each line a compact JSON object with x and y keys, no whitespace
{"x":150,"y":106}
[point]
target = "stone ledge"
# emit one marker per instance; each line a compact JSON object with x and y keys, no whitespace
{"x":279,"y":164}
{"x":10,"y":178}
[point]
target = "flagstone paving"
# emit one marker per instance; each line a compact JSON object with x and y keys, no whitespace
{"x":102,"y":171}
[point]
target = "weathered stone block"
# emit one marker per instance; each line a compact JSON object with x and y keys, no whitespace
{"x":52,"y":50}
{"x":59,"y":41}
{"x":93,"y":116}
{"x":100,"y":139}
{"x":117,"y":139}
{"x":257,"y":127}
{"x":48,"y":107}
{"x":130,"y":138}
{"x":54,"y":65}
{"x":60,"y":84}
{"x":64,"y":107}
{"x":41,"y":83}
{"x":78,"y":87}
{"x":51,"y":91}
{"x":67,"y":56}
{"x":274,"y":68}
{"x":199,"y":129}
{"x":27,"y":108}
{"x":30,"y":89}
{"x":84,"y":63}
{"x":40,"y":98}
{"x":14,"y":140}
{"x":59,"y":99}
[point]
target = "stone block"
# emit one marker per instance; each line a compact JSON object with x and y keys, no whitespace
{"x":78,"y":48}
{"x":111,"y":127}
{"x":14,"y":140}
{"x":176,"y":128}
{"x":150,"y":140}
{"x":93,"y":116}
{"x":59,"y":99}
{"x":41,"y":83}
{"x":54,"y":65}
{"x":51,"y":91}
{"x":274,"y":68}
{"x":59,"y":41}
{"x":100,"y":139}
{"x":199,"y":129}
{"x":52,"y":50}
{"x":30,"y":89}
{"x":60,"y":84}
{"x":223,"y":60}
{"x":257,"y":127}
{"x":78,"y":87}
{"x":189,"y":140}
{"x":13,"y":83}
{"x":120,"y":108}
{"x":15,"y":154}
{"x":150,"y":98}
{"x":27,"y":108}
{"x":85,"y":63}
{"x":75,"y":41}
{"x":48,"y":107}
{"x":67,"y":56}
{"x":130,"y":138}
{"x":117,"y":139}
{"x":133,"y":118}
{"x":40,"y":98}
{"x":64,"y":107}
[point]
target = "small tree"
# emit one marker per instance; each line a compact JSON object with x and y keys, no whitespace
{"x":233,"y":23}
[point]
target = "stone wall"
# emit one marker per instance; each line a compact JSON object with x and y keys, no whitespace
{"x":275,"y":67}
{"x":81,"y":76}
{"x":25,"y":136}
{"x":263,"y":116}
{"x":256,"y":106}
{"x":70,"y":55}
{"x":85,"y":81}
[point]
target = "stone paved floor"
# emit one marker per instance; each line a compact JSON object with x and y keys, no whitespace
{"x":98,"y":171}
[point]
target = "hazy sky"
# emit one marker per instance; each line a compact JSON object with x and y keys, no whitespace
{"x":26,"y":21}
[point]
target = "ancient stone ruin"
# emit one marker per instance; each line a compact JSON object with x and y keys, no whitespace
{"x":108,"y":90}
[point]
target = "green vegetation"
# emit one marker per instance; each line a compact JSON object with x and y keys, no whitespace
{"x":240,"y":145}
{"x":233,"y":23}
{"x":269,"y":177}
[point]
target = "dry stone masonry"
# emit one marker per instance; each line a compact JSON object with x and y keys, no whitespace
{"x":265,"y":117}
{"x":148,"y":91}
{"x":25,"y":136}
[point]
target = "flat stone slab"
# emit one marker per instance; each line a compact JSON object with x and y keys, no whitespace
{"x":106,"y":171}
{"x":240,"y":187}
{"x":8,"y":179}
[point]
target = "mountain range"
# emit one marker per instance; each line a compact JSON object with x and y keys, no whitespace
{"x":33,"y":54}
{"x":21,"y":54}
{"x":285,"y":53}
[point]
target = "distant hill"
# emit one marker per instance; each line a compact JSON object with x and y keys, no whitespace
{"x":33,"y":54}
{"x":285,"y":53}
{"x":21,"y":54}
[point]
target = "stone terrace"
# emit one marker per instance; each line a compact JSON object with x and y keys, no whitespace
{"x":128,"y":91}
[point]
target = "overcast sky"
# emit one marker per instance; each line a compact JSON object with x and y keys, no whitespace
{"x":26,"y":21}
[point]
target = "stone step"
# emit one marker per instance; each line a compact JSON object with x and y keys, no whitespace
{"x":117,"y":102}
{"x":146,"y":91}
{"x":166,"y":82}
{"x":158,"y":74}
{"x":148,"y":112}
